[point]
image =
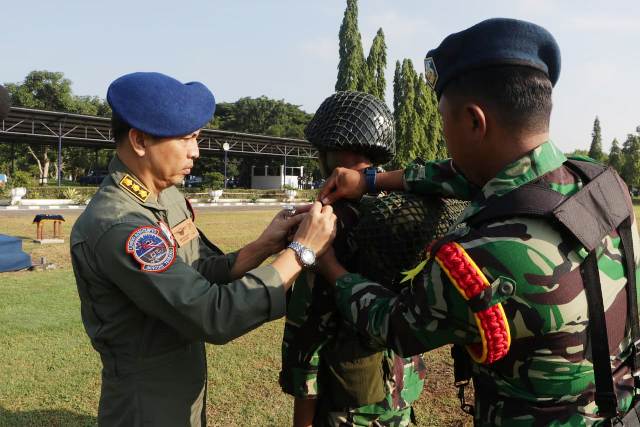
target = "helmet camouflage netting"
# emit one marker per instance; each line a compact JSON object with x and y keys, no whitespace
{"x":354,"y":121}
{"x":394,"y":230}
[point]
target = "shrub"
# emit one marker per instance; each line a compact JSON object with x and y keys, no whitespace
{"x":214,"y":180}
{"x":22,"y":179}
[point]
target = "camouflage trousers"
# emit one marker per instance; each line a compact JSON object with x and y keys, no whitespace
{"x":390,"y":418}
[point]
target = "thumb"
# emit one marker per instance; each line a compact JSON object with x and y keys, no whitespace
{"x":292,"y":221}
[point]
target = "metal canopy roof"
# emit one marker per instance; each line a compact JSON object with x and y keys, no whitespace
{"x":24,"y":125}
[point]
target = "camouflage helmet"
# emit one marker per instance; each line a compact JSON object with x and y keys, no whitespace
{"x":395,"y":229}
{"x":354,"y":121}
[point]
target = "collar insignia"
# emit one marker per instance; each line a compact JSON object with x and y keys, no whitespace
{"x":430,"y":72}
{"x":135,"y":188}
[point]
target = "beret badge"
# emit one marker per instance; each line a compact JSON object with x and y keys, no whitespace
{"x":430,"y":72}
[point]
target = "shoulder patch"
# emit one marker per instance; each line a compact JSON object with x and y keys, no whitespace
{"x":134,"y":187}
{"x":150,"y":249}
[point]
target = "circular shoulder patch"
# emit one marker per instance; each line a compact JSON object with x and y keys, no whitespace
{"x":150,"y":249}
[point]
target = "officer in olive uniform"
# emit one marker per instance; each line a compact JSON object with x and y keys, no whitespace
{"x":152,"y":287}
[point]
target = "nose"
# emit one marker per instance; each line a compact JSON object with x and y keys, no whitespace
{"x":193,"y":151}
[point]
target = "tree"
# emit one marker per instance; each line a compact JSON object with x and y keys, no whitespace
{"x":352,"y":70}
{"x":50,"y":90}
{"x":615,"y":156}
{"x":418,"y":122}
{"x":631,"y":162}
{"x":431,"y":145}
{"x":595,"y":150}
{"x":262,"y":116}
{"x":376,"y":64}
{"x":408,"y":126}
{"x":397,"y":89}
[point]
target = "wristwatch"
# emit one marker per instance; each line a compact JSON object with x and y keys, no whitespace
{"x":370,"y":179}
{"x":306,"y":256}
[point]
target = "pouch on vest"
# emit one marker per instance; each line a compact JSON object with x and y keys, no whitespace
{"x":355,"y":374}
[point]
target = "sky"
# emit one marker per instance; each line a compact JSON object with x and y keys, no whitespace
{"x":288,"y":49}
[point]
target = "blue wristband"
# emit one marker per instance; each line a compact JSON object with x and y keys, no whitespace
{"x":370,"y":179}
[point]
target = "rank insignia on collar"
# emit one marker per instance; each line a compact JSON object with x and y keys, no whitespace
{"x":134,"y":187}
{"x":150,"y":249}
{"x":430,"y":72}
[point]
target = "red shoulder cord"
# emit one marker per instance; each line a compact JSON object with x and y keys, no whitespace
{"x":469,"y":280}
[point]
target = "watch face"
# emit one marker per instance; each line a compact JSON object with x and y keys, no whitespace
{"x":308,"y":257}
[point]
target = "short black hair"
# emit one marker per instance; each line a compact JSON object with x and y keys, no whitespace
{"x":119,"y":128}
{"x":519,"y":96}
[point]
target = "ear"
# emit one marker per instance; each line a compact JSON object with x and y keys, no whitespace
{"x":477,"y":121}
{"x":137,"y":142}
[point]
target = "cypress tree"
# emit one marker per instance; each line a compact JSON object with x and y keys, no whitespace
{"x":407,"y":122}
{"x":352,"y":70}
{"x":595,"y":151}
{"x":397,"y":90}
{"x":433,"y":146}
{"x":376,"y":64}
{"x":615,"y":156}
{"x":631,"y":160}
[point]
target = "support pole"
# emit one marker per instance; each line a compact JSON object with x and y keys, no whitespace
{"x":285,"y":166}
{"x":59,"y":154}
{"x":13,"y":158}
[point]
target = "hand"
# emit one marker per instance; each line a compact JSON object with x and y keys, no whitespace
{"x":274,"y":237}
{"x":318,"y":228}
{"x":343,"y":184}
{"x":330,"y":267}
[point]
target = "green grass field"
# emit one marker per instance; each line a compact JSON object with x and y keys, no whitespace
{"x":49,"y":373}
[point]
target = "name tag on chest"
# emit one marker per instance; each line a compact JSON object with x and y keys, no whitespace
{"x":184,"y":232}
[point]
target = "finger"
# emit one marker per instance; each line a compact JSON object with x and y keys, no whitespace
{"x":332,"y":197}
{"x":316,"y":208}
{"x":303,"y":208}
{"x":327,"y":209}
{"x":328,"y":186}
{"x":292,"y":221}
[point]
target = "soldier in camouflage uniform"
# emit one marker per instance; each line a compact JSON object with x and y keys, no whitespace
{"x":335,"y":376}
{"x":494,"y":83}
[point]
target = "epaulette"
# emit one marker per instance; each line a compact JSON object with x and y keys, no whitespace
{"x":134,"y":187}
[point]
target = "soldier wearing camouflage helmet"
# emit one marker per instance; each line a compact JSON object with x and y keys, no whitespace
{"x":336,"y":378}
{"x":537,"y":278}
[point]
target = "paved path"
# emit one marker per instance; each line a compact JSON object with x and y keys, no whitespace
{"x":222,"y":207}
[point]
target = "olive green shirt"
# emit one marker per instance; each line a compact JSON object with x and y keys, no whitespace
{"x":149,"y":327}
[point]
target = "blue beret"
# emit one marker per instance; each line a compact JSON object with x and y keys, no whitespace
{"x":161,"y":105}
{"x":498,"y":41}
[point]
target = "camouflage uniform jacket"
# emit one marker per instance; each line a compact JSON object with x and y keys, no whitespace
{"x":314,"y":334}
{"x":547,"y":376}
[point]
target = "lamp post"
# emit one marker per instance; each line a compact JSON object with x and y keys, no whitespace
{"x":225,"y":147}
